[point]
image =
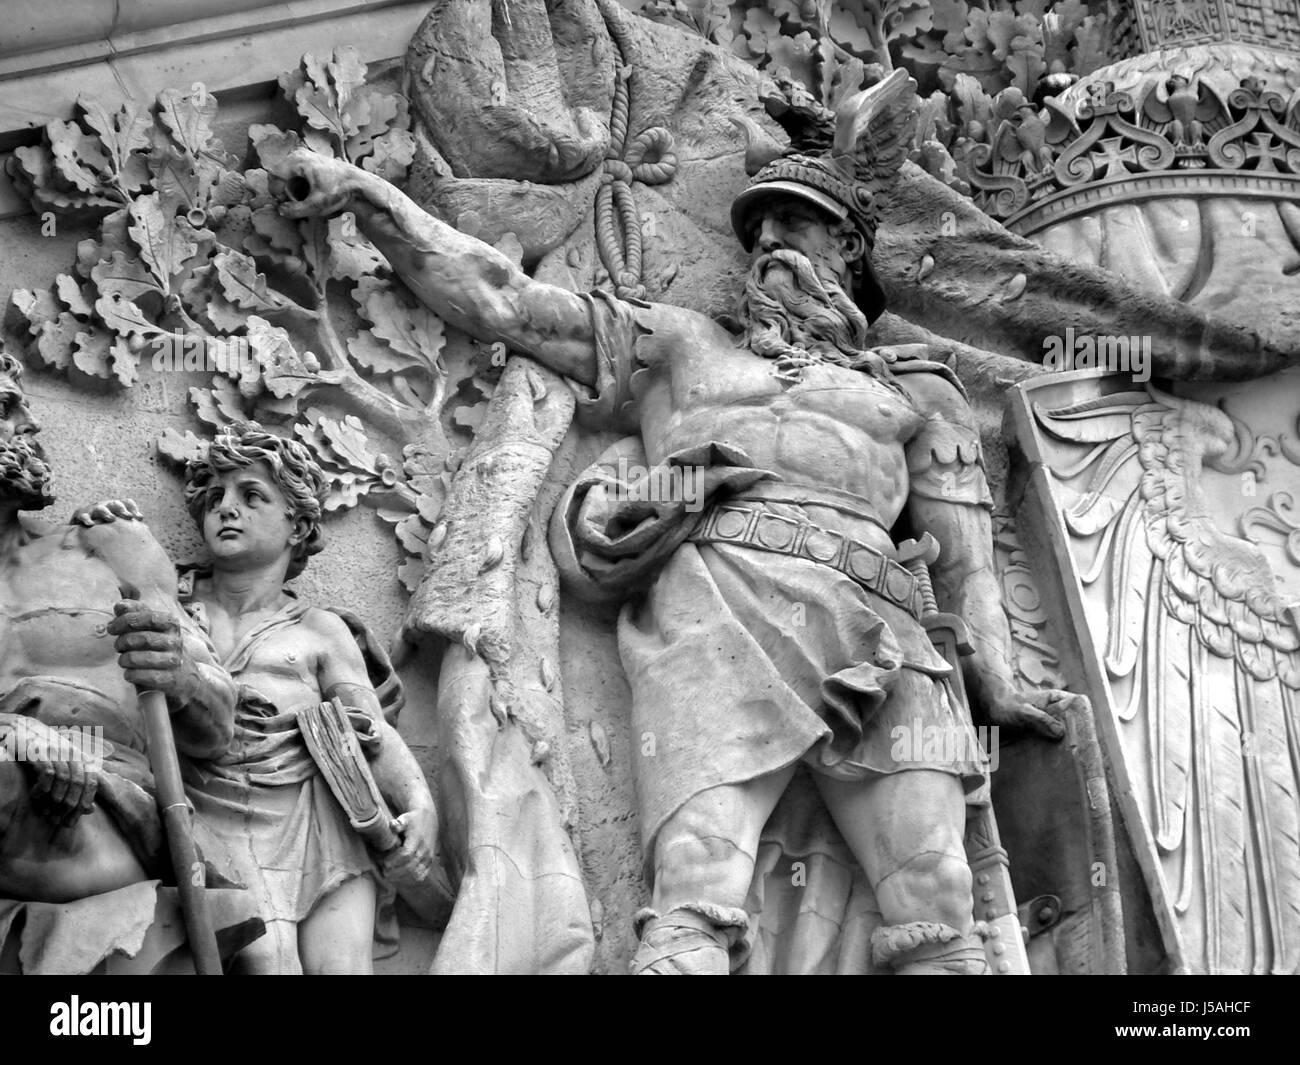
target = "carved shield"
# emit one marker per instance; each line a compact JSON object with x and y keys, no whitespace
{"x":1170,"y":519}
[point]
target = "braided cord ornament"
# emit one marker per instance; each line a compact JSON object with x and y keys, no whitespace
{"x":648,"y":159}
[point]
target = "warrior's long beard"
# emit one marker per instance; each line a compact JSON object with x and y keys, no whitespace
{"x":24,"y":474}
{"x":795,"y":311}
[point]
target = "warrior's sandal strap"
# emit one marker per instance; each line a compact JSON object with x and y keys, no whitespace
{"x":892,"y":942}
{"x":731,"y":919}
{"x":929,"y":947}
{"x":688,"y":930}
{"x":752,"y":525}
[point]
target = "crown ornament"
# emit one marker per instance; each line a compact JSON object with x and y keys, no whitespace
{"x":1173,"y":134}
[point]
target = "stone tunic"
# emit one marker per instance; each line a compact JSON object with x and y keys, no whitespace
{"x":288,"y":840}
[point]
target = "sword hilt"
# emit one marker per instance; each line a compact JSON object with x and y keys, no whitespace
{"x":917,"y":556}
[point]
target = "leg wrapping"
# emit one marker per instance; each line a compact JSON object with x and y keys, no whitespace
{"x":928,"y":948}
{"x":691,"y":940}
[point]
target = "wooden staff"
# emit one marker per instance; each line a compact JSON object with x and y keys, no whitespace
{"x":175,"y":813}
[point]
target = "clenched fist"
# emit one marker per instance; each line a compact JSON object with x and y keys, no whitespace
{"x":310,"y":185}
{"x":414,"y":860}
{"x":151,"y":651}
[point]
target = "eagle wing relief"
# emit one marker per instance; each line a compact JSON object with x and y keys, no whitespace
{"x":1203,"y":659}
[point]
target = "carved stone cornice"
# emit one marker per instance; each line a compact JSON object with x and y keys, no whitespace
{"x":36,"y":26}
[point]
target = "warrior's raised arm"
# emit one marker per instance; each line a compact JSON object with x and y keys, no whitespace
{"x":470,"y":284}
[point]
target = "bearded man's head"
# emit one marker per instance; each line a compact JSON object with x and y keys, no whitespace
{"x":24,"y":475}
{"x":811,"y":294}
{"x":794,"y":306}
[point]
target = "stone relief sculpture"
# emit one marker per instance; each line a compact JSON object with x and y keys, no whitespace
{"x":592,"y":155}
{"x":1185,"y":162}
{"x":80,"y":817}
{"x":787,"y":524}
{"x":257,"y":498}
{"x":197,"y":218}
{"x":1199,"y":646}
{"x":490,"y":593}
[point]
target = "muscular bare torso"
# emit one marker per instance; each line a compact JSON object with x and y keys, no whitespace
{"x":836,"y":428}
{"x":57,"y":593}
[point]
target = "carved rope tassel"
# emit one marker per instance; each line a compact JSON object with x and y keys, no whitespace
{"x":648,"y":159}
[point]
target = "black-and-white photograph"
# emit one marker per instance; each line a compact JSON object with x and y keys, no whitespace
{"x":651,"y":487}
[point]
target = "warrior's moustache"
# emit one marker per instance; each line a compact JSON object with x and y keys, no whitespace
{"x":790,"y":306}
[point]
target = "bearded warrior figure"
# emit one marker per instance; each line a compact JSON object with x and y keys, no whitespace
{"x":770,"y":630}
{"x":88,"y":613}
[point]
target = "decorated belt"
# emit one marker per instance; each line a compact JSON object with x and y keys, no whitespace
{"x":855,"y":506}
{"x":751,"y":525}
